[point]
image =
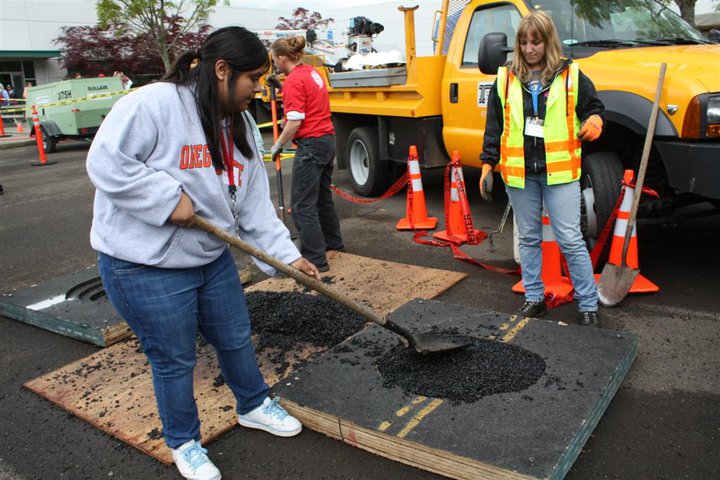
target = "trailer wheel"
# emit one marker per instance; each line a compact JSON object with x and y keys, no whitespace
{"x":49,"y":142}
{"x":601,"y":182}
{"x":368,"y":175}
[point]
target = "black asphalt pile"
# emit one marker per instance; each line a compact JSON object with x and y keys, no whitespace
{"x":282,"y":320}
{"x":483,"y":368}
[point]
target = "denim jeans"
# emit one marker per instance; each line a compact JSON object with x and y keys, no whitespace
{"x":165,"y":308}
{"x":563,"y":205}
{"x":313,"y":209}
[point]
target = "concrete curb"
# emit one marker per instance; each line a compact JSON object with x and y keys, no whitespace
{"x":16,"y":143}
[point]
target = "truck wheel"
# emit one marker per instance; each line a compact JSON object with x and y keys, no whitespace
{"x":601,"y":182}
{"x":49,"y":143}
{"x":368,"y":175}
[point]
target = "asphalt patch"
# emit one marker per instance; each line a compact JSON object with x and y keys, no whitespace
{"x":485,"y":367}
{"x":282,"y":320}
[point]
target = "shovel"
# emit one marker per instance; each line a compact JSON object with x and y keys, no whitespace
{"x":423,"y":343}
{"x":616,"y":280}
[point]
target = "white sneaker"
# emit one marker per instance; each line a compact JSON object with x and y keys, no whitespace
{"x":272,"y":418}
{"x":192,"y":462}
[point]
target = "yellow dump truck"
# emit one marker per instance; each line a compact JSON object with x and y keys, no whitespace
{"x":438,"y":102}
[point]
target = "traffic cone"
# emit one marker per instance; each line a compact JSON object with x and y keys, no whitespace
{"x":38,"y":138}
{"x":458,"y":221}
{"x":557,"y":286}
{"x":19,"y":127}
{"x":641,"y":283}
{"x":416,"y":212}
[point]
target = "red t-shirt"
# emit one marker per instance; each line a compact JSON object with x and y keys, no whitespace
{"x":305,"y":98}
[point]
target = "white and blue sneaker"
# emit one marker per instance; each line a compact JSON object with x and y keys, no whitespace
{"x":272,"y":418}
{"x":192,"y":462}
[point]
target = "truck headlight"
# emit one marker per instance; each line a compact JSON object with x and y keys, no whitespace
{"x":703,"y":111}
{"x":713,"y":109}
{"x":713,"y":116}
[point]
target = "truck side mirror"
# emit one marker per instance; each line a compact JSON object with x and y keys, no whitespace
{"x":492,"y":52}
{"x":714,"y":35}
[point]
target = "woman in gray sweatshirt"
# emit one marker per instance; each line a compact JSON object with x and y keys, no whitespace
{"x":179,"y":147}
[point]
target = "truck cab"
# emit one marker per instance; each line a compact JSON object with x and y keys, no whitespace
{"x":618,"y":44}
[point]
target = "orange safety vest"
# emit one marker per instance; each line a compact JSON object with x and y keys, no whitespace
{"x":563,"y":150}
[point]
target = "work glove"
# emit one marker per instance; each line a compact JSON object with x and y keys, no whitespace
{"x":486,"y":182}
{"x":276,"y":150}
{"x":273,"y":81}
{"x":591,"y":129}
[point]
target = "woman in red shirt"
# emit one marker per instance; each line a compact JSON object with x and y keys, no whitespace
{"x":307,"y":122}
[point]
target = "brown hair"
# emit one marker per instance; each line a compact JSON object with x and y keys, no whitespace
{"x":290,"y":47}
{"x":542,"y":25}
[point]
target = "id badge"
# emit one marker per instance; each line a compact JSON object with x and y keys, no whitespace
{"x":534,"y":127}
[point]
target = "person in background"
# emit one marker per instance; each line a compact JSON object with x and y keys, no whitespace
{"x":307,"y":122}
{"x":28,"y":84}
{"x":126,"y":82}
{"x":167,"y":280}
{"x":541,"y":108}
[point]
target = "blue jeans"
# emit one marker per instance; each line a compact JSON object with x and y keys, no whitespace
{"x":313,"y":209}
{"x":165,"y":308}
{"x":563,"y":206}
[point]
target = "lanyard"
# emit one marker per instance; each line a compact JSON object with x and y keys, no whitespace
{"x":229,"y":160}
{"x":535,"y":91}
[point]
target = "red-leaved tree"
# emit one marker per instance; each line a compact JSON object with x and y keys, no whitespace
{"x":95,"y":50}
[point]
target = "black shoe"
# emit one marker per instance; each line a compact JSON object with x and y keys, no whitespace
{"x":533,"y":309}
{"x":323,"y":268}
{"x":341,"y":249}
{"x":589,"y":318}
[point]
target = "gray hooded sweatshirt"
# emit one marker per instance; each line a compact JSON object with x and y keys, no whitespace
{"x":149,"y":149}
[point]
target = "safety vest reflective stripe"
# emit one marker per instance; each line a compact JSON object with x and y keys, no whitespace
{"x":506,"y":170}
{"x":562,"y":146}
{"x":558,"y":167}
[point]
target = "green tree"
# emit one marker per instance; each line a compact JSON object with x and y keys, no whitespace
{"x":154,"y":18}
{"x":687,"y":8}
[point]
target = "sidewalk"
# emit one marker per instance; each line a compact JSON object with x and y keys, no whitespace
{"x":14,"y":139}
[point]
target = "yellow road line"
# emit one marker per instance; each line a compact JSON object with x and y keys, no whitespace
{"x":384,"y":426}
{"x":418,"y":418}
{"x":511,"y":334}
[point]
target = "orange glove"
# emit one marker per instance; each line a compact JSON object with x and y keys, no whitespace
{"x":486,"y":182}
{"x":591,"y":129}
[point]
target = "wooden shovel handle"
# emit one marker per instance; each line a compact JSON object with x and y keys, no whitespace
{"x":290,"y":271}
{"x":643,"y":164}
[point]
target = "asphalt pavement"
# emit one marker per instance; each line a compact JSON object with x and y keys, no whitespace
{"x":664,"y":422}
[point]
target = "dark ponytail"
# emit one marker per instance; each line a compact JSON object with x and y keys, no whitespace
{"x":243,"y":51}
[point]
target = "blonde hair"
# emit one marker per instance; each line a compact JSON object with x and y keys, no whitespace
{"x":542,"y":25}
{"x":290,"y":47}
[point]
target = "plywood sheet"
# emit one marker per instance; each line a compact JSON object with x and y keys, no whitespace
{"x":537,"y":432}
{"x":112,"y":389}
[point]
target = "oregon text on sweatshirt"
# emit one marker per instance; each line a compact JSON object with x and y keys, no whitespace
{"x":149,"y":149}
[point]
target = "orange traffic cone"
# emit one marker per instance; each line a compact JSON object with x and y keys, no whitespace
{"x":416,"y":212}
{"x":556,"y":285}
{"x":641,"y":283}
{"x":458,"y":222}
{"x":19,"y":127}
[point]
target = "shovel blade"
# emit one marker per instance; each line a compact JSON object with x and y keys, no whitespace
{"x":614,"y":283}
{"x":429,"y":343}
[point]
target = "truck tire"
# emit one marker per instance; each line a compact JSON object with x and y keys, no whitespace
{"x":368,"y":175}
{"x":601,"y":182}
{"x":49,"y":142}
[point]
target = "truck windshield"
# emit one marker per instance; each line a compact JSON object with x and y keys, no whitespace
{"x":618,"y":23}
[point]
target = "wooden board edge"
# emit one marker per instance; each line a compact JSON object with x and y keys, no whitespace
{"x":575,"y":447}
{"x":91,"y":421}
{"x":52,"y":324}
{"x":398,"y":449}
{"x":116,"y":333}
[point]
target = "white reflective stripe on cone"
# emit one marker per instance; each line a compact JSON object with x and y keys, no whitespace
{"x":414,"y":167}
